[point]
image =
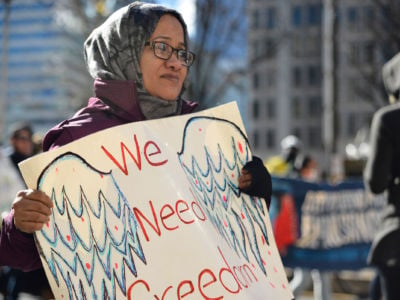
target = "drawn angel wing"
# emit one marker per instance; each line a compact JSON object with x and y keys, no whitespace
{"x":213,"y":175}
{"x":92,"y":232}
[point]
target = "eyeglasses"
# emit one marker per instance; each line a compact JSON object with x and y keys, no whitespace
{"x":164,"y":51}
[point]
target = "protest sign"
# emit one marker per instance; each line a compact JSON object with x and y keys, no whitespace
{"x":152,"y":210}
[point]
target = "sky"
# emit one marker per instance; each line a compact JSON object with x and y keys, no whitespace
{"x":187,"y":10}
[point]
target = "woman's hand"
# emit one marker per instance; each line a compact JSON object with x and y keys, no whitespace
{"x":255,"y":180}
{"x":32,"y":209}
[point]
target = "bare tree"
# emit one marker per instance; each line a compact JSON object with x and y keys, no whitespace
{"x":384,"y":44}
{"x":77,"y":18}
{"x":219,"y":41}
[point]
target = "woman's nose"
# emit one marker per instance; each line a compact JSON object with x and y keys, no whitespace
{"x":173,"y":61}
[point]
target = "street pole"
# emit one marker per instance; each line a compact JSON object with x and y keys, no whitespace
{"x":330,"y":88}
{"x":4,"y":72}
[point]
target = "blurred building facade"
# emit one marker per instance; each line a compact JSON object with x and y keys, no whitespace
{"x":42,"y":71}
{"x":308,"y":60}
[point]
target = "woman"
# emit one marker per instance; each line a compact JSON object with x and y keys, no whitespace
{"x":139,"y":59}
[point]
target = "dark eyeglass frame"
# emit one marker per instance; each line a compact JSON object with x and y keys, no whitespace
{"x":171,"y":50}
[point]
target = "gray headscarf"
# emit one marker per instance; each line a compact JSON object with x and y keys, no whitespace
{"x":113,"y":51}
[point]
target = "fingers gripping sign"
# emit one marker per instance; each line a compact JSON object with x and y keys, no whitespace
{"x":32,"y":209}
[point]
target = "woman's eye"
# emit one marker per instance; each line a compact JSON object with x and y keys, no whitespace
{"x":182,"y":54}
{"x":162,"y":46}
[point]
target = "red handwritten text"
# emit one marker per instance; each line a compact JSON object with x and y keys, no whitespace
{"x":151,"y":150}
{"x":228,"y":280}
{"x":171,"y":217}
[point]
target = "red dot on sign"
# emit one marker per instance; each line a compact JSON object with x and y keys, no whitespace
{"x":197,"y":181}
{"x":56,"y":170}
{"x":226,"y":225}
{"x":269,"y":252}
{"x":275,"y":270}
{"x":88,"y":266}
{"x":208,"y":183}
{"x":116,"y":265}
{"x":224,"y":197}
{"x":240,"y":147}
{"x":68,"y":238}
{"x":83,"y":219}
{"x":62,"y":296}
{"x":243,"y":216}
{"x":284,"y":286}
{"x":47,"y":224}
{"x":263,"y":240}
{"x":200,"y":129}
{"x":116,"y":228}
{"x":271,"y":284}
{"x":101,"y":175}
{"x":263,"y":262}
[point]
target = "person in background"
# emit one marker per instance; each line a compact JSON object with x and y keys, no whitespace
{"x":139,"y":59}
{"x":284,"y":164}
{"x":14,"y":281}
{"x":382,"y":174}
{"x":307,"y":169}
{"x":21,"y":143}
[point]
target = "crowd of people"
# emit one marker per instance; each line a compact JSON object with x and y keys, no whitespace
{"x":139,"y":59}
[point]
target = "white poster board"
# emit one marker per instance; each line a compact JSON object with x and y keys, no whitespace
{"x":152,"y":210}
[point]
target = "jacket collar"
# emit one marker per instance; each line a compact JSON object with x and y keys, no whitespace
{"x":120,"y":96}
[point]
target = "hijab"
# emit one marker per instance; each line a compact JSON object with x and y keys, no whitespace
{"x":113,"y":51}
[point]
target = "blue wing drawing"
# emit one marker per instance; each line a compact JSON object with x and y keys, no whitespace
{"x":212,"y":155}
{"x":92,"y":233}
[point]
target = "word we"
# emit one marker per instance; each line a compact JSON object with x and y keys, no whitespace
{"x":151,"y":151}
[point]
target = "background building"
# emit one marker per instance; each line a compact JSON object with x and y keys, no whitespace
{"x":311,"y":64}
{"x":43,"y":78}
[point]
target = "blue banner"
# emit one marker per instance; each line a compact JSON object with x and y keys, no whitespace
{"x":323,"y":226}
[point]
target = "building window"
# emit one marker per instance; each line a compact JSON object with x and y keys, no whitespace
{"x":256,"y":138}
{"x":352,"y":16}
{"x":256,"y":19}
{"x":296,"y":108}
{"x":256,"y":80}
{"x":368,"y":16}
{"x":314,"y":76}
{"x":296,"y":76}
{"x":270,"y":138}
{"x":314,"y":106}
{"x":314,"y":14}
{"x":270,"y":48}
{"x":354,"y":53}
{"x":258,"y":49}
{"x":369,"y":53}
{"x":314,"y":137}
{"x":352,"y":124}
{"x":271,"y":109}
{"x":256,"y":109}
{"x":271,"y":18}
{"x":296,"y":16}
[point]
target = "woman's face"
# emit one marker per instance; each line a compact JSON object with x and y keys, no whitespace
{"x":164,"y":78}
